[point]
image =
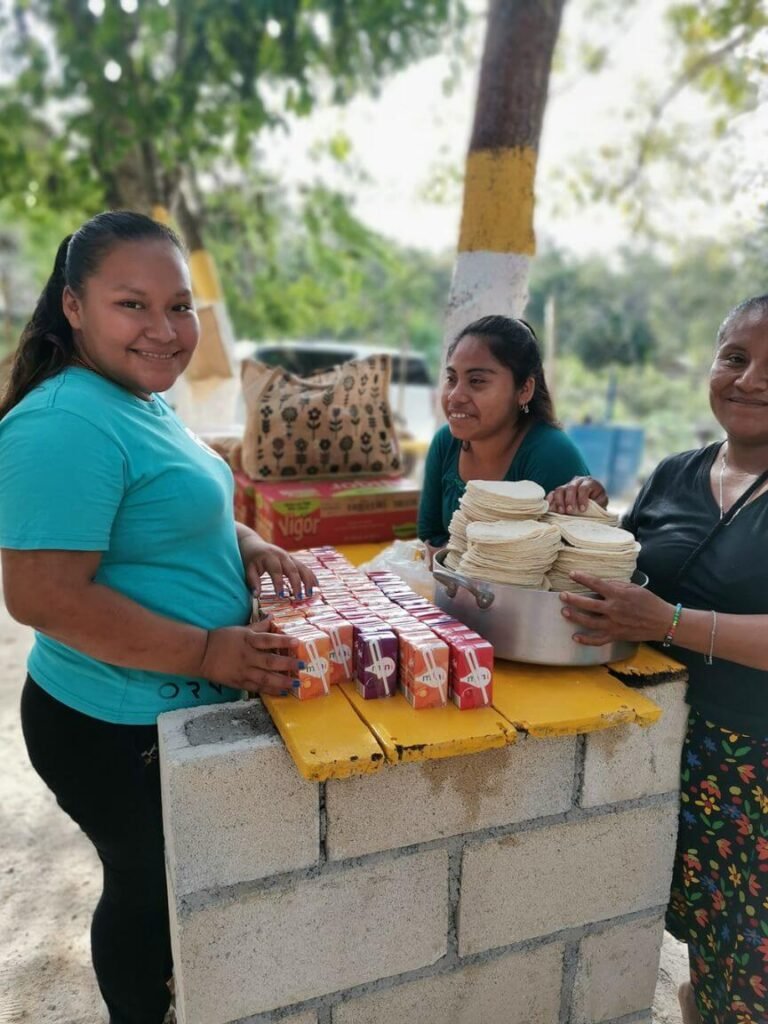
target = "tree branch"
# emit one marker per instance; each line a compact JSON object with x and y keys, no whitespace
{"x":690,"y":74}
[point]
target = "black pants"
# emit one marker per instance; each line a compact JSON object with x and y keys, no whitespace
{"x":107,"y":778}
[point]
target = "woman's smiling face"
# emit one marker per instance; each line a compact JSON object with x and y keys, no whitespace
{"x":738,"y":382}
{"x":134,"y":321}
{"x":480,"y":396}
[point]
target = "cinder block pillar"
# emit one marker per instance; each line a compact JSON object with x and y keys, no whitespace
{"x":526,"y":884}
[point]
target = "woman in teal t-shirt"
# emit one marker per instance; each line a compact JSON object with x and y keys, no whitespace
{"x":501,"y":422}
{"x":120,"y":548}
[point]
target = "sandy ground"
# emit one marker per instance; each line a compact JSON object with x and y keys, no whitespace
{"x":49,"y":883}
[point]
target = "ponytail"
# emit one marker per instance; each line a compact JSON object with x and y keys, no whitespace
{"x":47,"y":345}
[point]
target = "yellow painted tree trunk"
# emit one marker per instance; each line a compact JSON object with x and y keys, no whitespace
{"x":496,"y":240}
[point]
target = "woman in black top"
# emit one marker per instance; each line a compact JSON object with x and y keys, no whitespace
{"x":702,"y":521}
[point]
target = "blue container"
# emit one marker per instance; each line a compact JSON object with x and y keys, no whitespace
{"x":613,"y":454}
{"x":627,"y":455}
{"x":596,"y":445}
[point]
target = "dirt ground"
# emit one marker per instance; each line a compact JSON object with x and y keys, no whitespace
{"x":49,"y":883}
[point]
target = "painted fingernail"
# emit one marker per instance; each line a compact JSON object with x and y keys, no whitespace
{"x":282,"y":593}
{"x":302,"y":664}
{"x":285,"y":693}
{"x":309,"y":591}
{"x":295,"y":684}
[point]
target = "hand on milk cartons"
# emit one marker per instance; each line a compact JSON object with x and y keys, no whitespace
{"x":313,"y":649}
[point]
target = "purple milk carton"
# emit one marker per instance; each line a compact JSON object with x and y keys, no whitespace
{"x":376,"y":658}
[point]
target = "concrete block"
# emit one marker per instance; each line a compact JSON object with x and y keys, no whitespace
{"x":617,"y":971}
{"x":629,"y":762}
{"x":523,"y":988}
{"x":234,"y":806}
{"x":432,"y":799}
{"x":284,"y":944}
{"x":308,"y":1017}
{"x":536,"y":882}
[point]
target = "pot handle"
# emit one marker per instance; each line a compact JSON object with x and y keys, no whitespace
{"x":452,"y":580}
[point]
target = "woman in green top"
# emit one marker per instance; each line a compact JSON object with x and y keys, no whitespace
{"x":501,"y":422}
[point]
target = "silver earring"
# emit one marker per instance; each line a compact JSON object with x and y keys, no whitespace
{"x":524,"y":408}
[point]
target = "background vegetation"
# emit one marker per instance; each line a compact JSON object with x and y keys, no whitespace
{"x":146,"y":101}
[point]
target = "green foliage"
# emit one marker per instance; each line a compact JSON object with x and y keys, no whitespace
{"x":316,"y":271}
{"x":717,"y":58}
{"x":198,"y":80}
{"x":604,"y":314}
{"x":680,"y":303}
{"x":716,"y":48}
{"x":645,"y":309}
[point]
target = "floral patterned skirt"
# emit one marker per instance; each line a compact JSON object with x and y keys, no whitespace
{"x":719,"y":900}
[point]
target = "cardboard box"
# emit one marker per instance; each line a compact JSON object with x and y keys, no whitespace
{"x":245,"y":500}
{"x":364,"y":511}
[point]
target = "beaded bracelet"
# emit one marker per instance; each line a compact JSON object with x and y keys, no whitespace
{"x":671,"y":631}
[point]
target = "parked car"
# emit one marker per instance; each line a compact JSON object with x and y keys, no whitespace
{"x":411,"y":395}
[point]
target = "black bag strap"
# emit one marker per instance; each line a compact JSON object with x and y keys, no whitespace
{"x":721,"y":523}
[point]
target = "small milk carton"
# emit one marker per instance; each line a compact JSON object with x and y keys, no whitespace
{"x":376,"y":663}
{"x":471,"y":662}
{"x":314,"y":649}
{"x":424,"y":674}
{"x":340,"y":633}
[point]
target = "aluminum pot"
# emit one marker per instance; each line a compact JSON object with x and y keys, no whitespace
{"x":522,"y":624}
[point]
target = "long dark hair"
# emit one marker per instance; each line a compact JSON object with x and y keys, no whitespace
{"x":514,"y":344}
{"x":47,"y":345}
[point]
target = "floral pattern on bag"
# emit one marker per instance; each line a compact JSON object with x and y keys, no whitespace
{"x":336,"y":423}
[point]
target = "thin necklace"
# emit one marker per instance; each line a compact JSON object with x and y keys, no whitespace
{"x":723,"y":464}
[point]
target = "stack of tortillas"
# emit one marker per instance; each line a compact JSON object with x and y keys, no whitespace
{"x":593,"y":513}
{"x":457,"y":540}
{"x":515,"y":552}
{"x":593,"y":547}
{"x":489,"y":501}
{"x":486,"y":501}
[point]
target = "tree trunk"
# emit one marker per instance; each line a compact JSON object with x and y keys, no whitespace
{"x":496,"y":241}
{"x":125,"y":185}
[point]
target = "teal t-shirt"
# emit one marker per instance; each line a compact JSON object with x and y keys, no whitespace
{"x":87,"y":466}
{"x":546,"y":455}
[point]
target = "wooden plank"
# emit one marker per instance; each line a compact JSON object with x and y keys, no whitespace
{"x":408,"y":735}
{"x":358,"y":554}
{"x":544,"y":701}
{"x":325,"y":737}
{"x":646,"y":667}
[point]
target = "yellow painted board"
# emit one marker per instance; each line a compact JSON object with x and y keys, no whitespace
{"x":417,"y":446}
{"x":360,"y":553}
{"x":546,"y":701}
{"x":649,"y":663}
{"x":325,"y":737}
{"x":408,"y":735}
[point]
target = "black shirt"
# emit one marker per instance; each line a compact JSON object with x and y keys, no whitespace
{"x":673,"y":513}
